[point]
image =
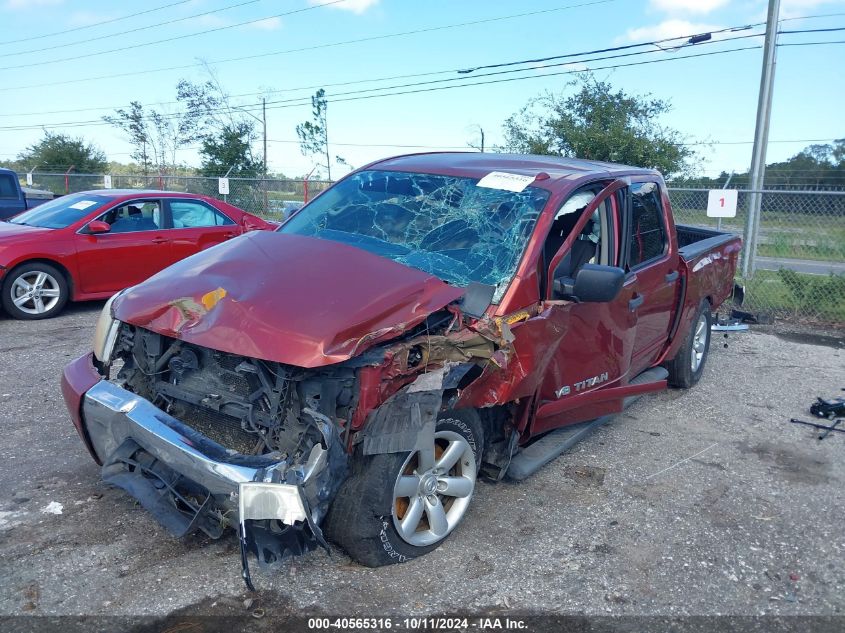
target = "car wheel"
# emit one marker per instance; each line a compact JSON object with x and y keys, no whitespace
{"x":398,"y":506}
{"x":686,"y":368}
{"x":34,"y":291}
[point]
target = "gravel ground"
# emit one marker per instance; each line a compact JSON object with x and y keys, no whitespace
{"x":701,"y":502}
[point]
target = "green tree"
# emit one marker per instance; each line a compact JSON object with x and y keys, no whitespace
{"x":231,"y":149}
{"x":314,"y":134}
{"x":156,"y":136}
{"x":597,"y":122}
{"x":60,"y":151}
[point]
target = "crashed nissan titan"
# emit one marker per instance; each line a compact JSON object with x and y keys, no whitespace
{"x":428,"y":319}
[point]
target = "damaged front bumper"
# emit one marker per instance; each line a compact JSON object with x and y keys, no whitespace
{"x":188,"y":482}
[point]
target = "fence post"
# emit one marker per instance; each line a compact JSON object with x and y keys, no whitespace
{"x":67,"y":180}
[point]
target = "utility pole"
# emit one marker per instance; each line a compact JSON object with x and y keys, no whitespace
{"x":761,"y":139}
{"x":264,"y":124}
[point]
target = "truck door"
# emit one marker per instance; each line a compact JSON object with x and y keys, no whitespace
{"x":11,"y":199}
{"x":594,"y":350}
{"x":649,"y":257}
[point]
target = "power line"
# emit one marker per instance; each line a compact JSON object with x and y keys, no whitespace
{"x":812,"y":17}
{"x":135,"y":30}
{"x":813,"y":43}
{"x":170,"y":39}
{"x":298,"y":101}
{"x":334,"y":97}
{"x":393,"y":77}
{"x":91,"y":26}
{"x":378,"y":79}
{"x":839,"y":28}
{"x":357,"y":95}
{"x":615,"y":48}
{"x":317,"y":46}
{"x":302,"y":100}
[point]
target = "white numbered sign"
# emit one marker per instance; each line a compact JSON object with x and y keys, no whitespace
{"x":721,"y":203}
{"x":107,"y":182}
{"x":223,"y":186}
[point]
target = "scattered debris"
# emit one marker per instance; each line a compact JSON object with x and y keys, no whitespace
{"x":833,"y":410}
{"x":591,"y":475}
{"x":686,"y":459}
{"x":20,"y":497}
{"x":54,"y":507}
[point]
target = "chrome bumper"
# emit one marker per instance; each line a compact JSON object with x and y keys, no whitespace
{"x":113,"y":415}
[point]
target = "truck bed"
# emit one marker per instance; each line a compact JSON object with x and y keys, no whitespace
{"x":694,"y":241}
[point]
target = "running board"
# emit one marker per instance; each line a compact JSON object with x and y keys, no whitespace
{"x":533,"y":457}
{"x":655,"y":374}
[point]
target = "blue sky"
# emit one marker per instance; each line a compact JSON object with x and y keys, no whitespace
{"x":714,"y":97}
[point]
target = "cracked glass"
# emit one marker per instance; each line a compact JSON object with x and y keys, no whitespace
{"x":446,"y":226}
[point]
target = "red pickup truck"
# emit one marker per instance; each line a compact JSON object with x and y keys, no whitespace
{"x":428,"y":318}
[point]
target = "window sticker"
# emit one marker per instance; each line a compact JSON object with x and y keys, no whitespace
{"x":505,"y":181}
{"x":83,"y":204}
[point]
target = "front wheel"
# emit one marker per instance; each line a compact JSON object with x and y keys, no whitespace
{"x":399,"y":506}
{"x":34,"y":291}
{"x":686,"y":368}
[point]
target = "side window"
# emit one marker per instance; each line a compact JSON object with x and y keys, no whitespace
{"x":7,"y":187}
{"x":648,"y":236}
{"x":141,"y":215}
{"x":187,"y":214}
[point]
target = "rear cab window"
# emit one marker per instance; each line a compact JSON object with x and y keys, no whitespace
{"x":8,"y":190}
{"x":647,"y":237}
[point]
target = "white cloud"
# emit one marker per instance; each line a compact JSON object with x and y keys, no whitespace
{"x":356,"y":6}
{"x":667,"y":29}
{"x":86,"y":18}
{"x":687,"y":6}
{"x":797,"y":8}
{"x":14,"y":5}
{"x":267,"y":24}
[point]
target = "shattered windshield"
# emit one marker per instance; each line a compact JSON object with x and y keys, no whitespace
{"x":446,"y":226}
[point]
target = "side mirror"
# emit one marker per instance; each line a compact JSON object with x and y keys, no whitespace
{"x":95,"y":227}
{"x":592,"y":284}
{"x":598,"y":284}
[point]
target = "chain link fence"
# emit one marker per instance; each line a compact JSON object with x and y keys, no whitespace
{"x":798,"y":270}
{"x":797,"y":267}
{"x":269,"y":198}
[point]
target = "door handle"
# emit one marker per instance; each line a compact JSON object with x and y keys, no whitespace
{"x":229,"y":236}
{"x":635,"y":303}
{"x":159,"y":240}
{"x":673,"y":276}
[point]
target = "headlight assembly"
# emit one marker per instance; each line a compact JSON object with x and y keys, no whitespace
{"x":105,"y":334}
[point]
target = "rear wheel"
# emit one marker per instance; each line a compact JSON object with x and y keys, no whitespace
{"x":34,"y":291}
{"x":399,"y":506}
{"x":686,"y":368}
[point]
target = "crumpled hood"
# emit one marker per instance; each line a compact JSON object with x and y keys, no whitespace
{"x":296,"y":300}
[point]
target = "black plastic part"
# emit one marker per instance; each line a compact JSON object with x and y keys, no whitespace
{"x":595,"y":283}
{"x":534,"y":456}
{"x":477,"y":299}
{"x":171,"y":498}
{"x":244,"y":559}
{"x":834,"y":408}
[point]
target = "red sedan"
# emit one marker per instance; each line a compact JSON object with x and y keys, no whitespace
{"x":89,"y":245}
